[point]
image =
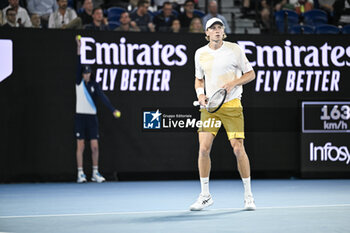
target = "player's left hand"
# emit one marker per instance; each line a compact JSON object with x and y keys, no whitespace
{"x":229,"y":86}
{"x":117,"y":114}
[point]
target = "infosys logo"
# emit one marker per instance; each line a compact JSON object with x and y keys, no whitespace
{"x":329,"y":153}
{"x":6,"y":58}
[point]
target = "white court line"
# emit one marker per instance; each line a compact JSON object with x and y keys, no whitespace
{"x":171,"y":211}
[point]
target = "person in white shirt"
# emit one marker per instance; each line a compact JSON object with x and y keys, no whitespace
{"x":222,"y":64}
{"x":22,"y":17}
{"x":43,"y":8}
{"x":63,"y":16}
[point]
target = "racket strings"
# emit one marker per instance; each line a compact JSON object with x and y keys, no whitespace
{"x":216,"y":100}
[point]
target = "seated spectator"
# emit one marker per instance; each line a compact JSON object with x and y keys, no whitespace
{"x":164,"y":20}
{"x":302,"y":6}
{"x":196,"y":26}
{"x":265,"y":7}
{"x":125,"y":25}
{"x":22,"y":17}
{"x":265,"y":14}
{"x":43,"y":8}
{"x":213,"y":12}
{"x":86,"y":15}
{"x":36,"y":21}
{"x":63,"y":16}
{"x":186,"y":17}
{"x":11,"y":19}
{"x":141,"y":18}
{"x":250,"y":6}
{"x":176,"y":26}
{"x":97,"y":21}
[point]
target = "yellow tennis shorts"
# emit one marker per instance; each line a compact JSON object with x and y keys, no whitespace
{"x":230,"y":115}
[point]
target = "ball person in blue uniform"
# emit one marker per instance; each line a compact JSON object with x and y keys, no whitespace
{"x":86,"y":123}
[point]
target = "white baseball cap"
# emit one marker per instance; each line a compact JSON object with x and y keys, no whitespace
{"x":211,"y":22}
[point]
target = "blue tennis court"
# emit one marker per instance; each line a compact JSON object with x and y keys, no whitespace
{"x":282,"y":206}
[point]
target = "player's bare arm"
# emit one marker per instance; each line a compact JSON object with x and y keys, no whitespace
{"x":244,"y":79}
{"x":199,"y":86}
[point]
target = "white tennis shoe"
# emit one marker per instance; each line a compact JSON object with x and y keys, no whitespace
{"x":97,"y":177}
{"x":249,"y":203}
{"x":81,"y":178}
{"x":202,"y":202}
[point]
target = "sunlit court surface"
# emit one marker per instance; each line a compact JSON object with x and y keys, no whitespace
{"x":282,"y":206}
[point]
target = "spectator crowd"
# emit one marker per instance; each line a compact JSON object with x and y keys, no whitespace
{"x":158,"y":15}
{"x":118,"y":15}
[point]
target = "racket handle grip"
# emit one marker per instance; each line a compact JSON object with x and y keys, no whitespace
{"x":196,"y":103}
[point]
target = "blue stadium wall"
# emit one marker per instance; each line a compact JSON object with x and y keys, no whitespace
{"x":155,"y":71}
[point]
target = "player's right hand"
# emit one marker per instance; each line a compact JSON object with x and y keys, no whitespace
{"x":202,"y":99}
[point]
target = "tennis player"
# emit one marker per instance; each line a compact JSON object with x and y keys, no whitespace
{"x":86,"y":124}
{"x":223,"y":65}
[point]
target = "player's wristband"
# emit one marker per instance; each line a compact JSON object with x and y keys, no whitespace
{"x":199,"y":91}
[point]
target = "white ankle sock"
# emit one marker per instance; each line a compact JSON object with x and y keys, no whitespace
{"x":80,"y":171}
{"x":247,"y":187}
{"x":205,"y":186}
{"x":94,"y":170}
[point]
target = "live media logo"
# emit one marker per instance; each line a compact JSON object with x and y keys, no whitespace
{"x":152,"y":119}
{"x":175,"y":120}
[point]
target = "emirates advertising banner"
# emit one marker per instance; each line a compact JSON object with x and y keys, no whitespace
{"x":286,"y":66}
{"x":147,"y":65}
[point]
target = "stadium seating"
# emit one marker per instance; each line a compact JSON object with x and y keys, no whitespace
{"x":113,"y":13}
{"x":285,"y":19}
{"x":301,"y":29}
{"x":346,"y":29}
{"x":315,"y":17}
{"x":199,"y":13}
{"x":327,"y":29}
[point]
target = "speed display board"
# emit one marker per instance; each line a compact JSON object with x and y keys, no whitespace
{"x":325,"y":136}
{"x":326,"y":117}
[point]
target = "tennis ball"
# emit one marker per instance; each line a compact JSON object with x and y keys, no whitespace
{"x":118,"y":114}
{"x":79,"y":37}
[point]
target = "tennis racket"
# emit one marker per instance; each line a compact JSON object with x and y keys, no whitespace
{"x":215,"y":102}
